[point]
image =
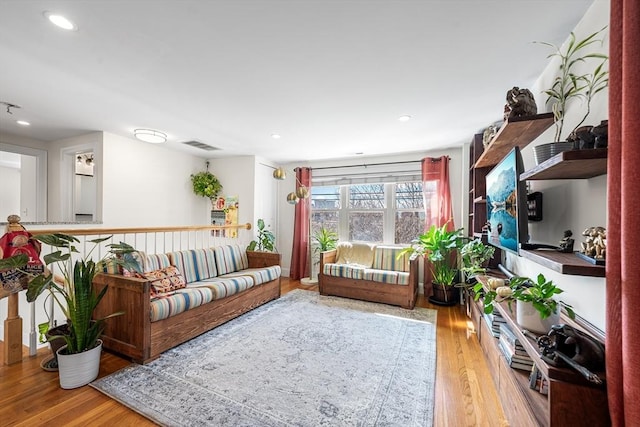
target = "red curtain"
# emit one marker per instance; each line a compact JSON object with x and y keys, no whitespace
{"x":300,"y":253}
{"x":623,"y":228}
{"x":435,"y":171}
{"x":438,"y":209}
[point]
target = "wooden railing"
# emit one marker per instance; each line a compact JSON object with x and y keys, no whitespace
{"x":155,"y":240}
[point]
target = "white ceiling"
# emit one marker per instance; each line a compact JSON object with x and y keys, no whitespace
{"x":332,"y":77}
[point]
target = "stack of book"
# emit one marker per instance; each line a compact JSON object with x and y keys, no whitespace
{"x":513,"y":351}
{"x":495,"y":321}
{"x":537,"y":381}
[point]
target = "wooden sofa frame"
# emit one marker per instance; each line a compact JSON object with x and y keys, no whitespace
{"x":403,"y":295}
{"x":135,"y":336}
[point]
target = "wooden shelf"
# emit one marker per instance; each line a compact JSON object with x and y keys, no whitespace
{"x":565,"y":263}
{"x":574,"y":164}
{"x":514,"y":132}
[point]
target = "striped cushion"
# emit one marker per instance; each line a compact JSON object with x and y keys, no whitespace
{"x":387,"y":276}
{"x":195,"y":264}
{"x":344,"y":270}
{"x":155,"y":262}
{"x":197,"y":294}
{"x":179,"y":301}
{"x":259,"y":275}
{"x":223,"y":287}
{"x":230,"y":258}
{"x":385,"y":258}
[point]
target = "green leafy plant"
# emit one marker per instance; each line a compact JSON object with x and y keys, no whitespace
{"x":325,"y":239}
{"x":568,"y":84}
{"x":540,"y":293}
{"x":205,"y":184}
{"x":266,"y":241}
{"x":474,"y":256}
{"x":74,"y":293}
{"x":440,"y":246}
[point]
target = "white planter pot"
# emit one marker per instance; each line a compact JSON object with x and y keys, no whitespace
{"x":529,"y":318}
{"x":76,"y":370}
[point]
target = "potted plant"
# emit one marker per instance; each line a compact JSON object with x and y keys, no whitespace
{"x":206,"y":184}
{"x":79,"y":358}
{"x":440,"y":246}
{"x":323,"y":240}
{"x":475,"y":255}
{"x":569,"y":83}
{"x":266,"y":240}
{"x":536,"y":306}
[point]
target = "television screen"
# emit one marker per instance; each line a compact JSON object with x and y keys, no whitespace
{"x":507,"y":203}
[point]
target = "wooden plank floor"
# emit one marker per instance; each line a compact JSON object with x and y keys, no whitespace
{"x":465,"y":394}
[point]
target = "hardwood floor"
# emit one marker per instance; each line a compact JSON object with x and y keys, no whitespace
{"x":465,"y":394}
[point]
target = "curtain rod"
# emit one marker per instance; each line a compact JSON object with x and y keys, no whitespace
{"x":373,"y":164}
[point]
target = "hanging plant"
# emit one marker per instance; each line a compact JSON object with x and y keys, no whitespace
{"x":205,"y":184}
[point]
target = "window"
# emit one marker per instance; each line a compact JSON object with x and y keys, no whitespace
{"x":391,"y":213}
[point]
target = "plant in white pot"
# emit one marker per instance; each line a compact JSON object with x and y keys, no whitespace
{"x":79,"y":359}
{"x":537,"y":309}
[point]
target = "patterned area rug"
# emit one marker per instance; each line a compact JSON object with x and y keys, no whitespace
{"x":302,"y":360}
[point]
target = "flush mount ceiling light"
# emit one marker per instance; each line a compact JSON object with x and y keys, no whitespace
{"x":404,"y":118}
{"x":23,"y":123}
{"x":60,"y":21}
{"x":150,"y":135}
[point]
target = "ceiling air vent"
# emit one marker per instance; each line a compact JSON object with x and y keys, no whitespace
{"x":200,"y":145}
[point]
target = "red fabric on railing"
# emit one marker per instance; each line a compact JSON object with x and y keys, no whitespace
{"x":623,"y":228}
{"x":300,"y":252}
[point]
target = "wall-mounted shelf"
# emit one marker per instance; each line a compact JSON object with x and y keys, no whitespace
{"x":570,"y":396}
{"x":565,"y":263}
{"x":514,"y":132}
{"x":574,"y":164}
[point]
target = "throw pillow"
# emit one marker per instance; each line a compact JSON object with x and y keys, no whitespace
{"x":165,"y":280}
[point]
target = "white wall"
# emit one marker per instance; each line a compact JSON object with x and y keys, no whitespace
{"x":286,"y":212}
{"x":571,"y":204}
{"x":9,"y":197}
{"x":146,"y":185}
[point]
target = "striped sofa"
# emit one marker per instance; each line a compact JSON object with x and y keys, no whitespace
{"x":369,"y":272}
{"x":182,"y":294}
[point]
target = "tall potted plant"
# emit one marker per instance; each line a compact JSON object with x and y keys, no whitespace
{"x":569,"y":83}
{"x":323,"y":240}
{"x":79,"y":359}
{"x":440,"y":247}
{"x":266,"y":240}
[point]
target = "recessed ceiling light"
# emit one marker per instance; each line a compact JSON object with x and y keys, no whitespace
{"x":60,"y":21}
{"x":23,"y":123}
{"x":275,"y":136}
{"x":404,"y":118}
{"x":150,"y":135}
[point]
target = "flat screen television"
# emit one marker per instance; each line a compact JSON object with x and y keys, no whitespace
{"x":507,"y":203}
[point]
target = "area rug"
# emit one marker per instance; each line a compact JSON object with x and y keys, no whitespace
{"x":301,"y":360}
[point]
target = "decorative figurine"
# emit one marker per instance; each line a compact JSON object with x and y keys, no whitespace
{"x":595,"y":244}
{"x":488,"y":135}
{"x":566,"y":244}
{"x":601,"y":132}
{"x":520,"y":102}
